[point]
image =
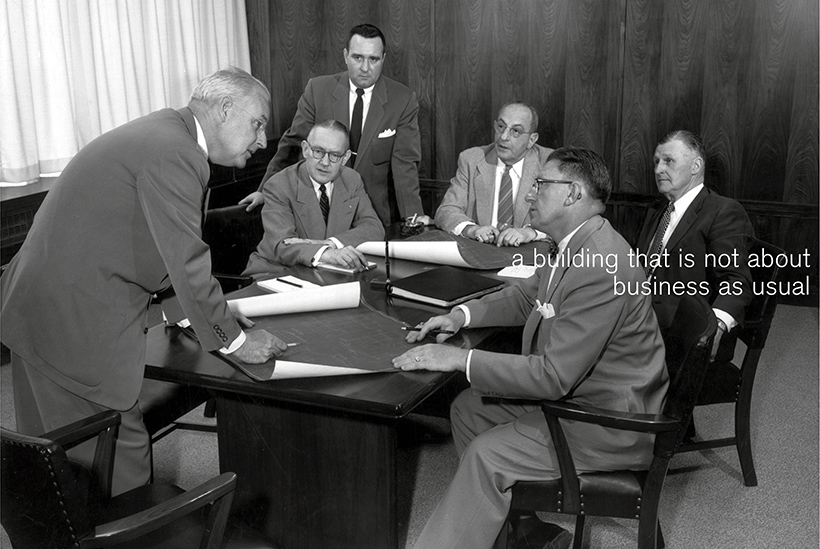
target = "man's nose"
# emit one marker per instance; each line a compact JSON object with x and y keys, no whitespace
{"x":262,"y":139}
{"x":531,"y":195}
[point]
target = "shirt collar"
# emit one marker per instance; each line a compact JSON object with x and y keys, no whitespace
{"x":682,"y":203}
{"x":517,"y":168}
{"x":328,"y":185}
{"x":200,"y":138}
{"x":565,"y":241}
{"x":354,"y":87}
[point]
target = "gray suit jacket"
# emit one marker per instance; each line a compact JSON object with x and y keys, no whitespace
{"x":604,"y":349}
{"x":471,"y":193}
{"x":292,"y":210}
{"x":389,"y":151}
{"x":121,"y":223}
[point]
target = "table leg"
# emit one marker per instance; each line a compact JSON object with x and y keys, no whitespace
{"x":310,"y":477}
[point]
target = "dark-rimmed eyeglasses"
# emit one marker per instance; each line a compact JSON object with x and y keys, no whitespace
{"x":319,"y":154}
{"x":539,"y":183}
{"x":515,"y":133}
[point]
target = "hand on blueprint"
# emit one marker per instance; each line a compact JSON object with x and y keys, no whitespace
{"x":452,"y":322}
{"x":514,"y":236}
{"x":433,"y":357}
{"x":482,"y":233}
{"x":259,"y":347}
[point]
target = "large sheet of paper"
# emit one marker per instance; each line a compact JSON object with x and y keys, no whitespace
{"x":443,"y":248}
{"x":320,"y":298}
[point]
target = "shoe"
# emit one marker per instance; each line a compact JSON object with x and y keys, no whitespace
{"x":545,"y":536}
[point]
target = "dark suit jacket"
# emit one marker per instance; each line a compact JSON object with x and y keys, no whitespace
{"x":607,"y":347}
{"x":471,"y":194}
{"x":292,"y":210}
{"x":712,"y":224}
{"x":389,"y":151}
{"x":120,"y":224}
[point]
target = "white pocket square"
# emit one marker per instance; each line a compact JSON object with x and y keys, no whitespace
{"x":389,"y":132}
{"x":546,"y":310}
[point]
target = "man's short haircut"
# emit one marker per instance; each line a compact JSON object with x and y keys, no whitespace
{"x":366,"y":30}
{"x":688,"y":138}
{"x":533,"y":113}
{"x":333,"y":125}
{"x":233,"y":82}
{"x":587,"y":166}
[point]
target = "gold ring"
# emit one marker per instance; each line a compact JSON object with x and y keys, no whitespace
{"x":417,"y":359}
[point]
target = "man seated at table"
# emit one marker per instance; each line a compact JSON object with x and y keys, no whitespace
{"x":485,"y":201}
{"x":581,"y":341}
{"x":316,"y":210}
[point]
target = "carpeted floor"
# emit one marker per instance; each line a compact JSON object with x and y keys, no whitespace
{"x":704,"y":504}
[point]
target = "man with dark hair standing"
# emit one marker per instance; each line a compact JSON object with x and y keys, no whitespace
{"x":382,"y":116}
{"x":688,"y":223}
{"x":122,"y":223}
{"x":581,"y":341}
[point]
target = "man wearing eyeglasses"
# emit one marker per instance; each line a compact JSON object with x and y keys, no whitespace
{"x":485,"y":200}
{"x":317,"y":210}
{"x":582,"y":341}
{"x":382,"y":116}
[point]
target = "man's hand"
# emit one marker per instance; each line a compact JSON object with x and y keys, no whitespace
{"x":451,"y":322}
{"x":436,"y":358}
{"x":348,"y":257}
{"x":716,"y":343}
{"x":514,"y":237}
{"x":482,"y":233}
{"x":253,"y":200}
{"x":259,"y":346}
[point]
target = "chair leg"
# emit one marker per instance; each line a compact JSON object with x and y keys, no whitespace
{"x":744,"y":440}
{"x":661,"y":543}
{"x":578,"y":534}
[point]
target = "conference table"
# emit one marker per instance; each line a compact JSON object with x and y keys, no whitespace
{"x":316,"y":458}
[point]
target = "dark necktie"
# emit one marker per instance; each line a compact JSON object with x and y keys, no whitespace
{"x":356,"y":124}
{"x":505,"y":201}
{"x":324,"y":202}
{"x":657,"y":241}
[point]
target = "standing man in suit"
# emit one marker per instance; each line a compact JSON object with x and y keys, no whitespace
{"x":122,"y":223}
{"x":699,"y":222}
{"x":581,"y":341}
{"x":384,"y":129}
{"x":316,"y":210}
{"x":486,"y":198}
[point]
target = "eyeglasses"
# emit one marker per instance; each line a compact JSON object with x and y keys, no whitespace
{"x":258,"y":124}
{"x":319,"y":154}
{"x":539,"y":183}
{"x":515,"y":133}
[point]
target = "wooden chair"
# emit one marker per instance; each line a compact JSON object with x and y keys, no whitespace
{"x":51,"y":502}
{"x":233,"y":234}
{"x":625,"y":494}
{"x":727,"y":383}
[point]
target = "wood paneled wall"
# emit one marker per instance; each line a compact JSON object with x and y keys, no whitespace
{"x":610,"y":75}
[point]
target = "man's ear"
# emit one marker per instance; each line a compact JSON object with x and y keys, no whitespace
{"x":532,"y":140}
{"x":576,"y":192}
{"x":346,"y":157}
{"x":225,"y":105}
{"x":697,"y":165}
{"x":344,"y":53}
{"x":305,"y":149}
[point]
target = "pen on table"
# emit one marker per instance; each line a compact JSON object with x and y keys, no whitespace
{"x":288,"y":282}
{"x":448,"y":332}
{"x":292,"y":344}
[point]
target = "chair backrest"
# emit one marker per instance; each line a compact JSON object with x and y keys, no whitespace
{"x":688,"y":344}
{"x":233,"y":234}
{"x":44,"y":495}
{"x":760,"y":311}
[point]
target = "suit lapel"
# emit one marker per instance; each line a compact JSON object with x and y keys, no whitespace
{"x":375,"y":113}
{"x":688,"y":218}
{"x":309,"y":213}
{"x":485,"y":188}
{"x":338,"y":219}
{"x":341,"y":100}
{"x":528,"y":173}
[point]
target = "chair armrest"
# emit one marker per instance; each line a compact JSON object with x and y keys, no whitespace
{"x":78,"y":432}
{"x":231,"y":283}
{"x":644,"y":423}
{"x":159,"y":515}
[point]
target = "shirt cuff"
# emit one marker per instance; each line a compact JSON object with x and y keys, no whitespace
{"x":318,"y":255}
{"x":469,"y":358}
{"x":466,"y":312}
{"x":726,"y":318}
{"x":237,"y":343}
{"x":336,"y":242}
{"x":460,"y":227}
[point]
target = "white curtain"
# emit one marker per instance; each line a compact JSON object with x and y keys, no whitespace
{"x":71,"y":70}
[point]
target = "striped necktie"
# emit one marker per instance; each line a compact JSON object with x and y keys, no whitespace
{"x":657,"y":241}
{"x":505,"y":200}
{"x":324,"y":202}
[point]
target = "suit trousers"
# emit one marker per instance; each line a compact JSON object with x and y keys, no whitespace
{"x":496,"y":451}
{"x":40,"y":406}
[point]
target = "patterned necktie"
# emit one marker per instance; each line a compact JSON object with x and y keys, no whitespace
{"x":356,"y":125}
{"x":657,"y":241}
{"x":505,"y":201}
{"x":324,"y":202}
